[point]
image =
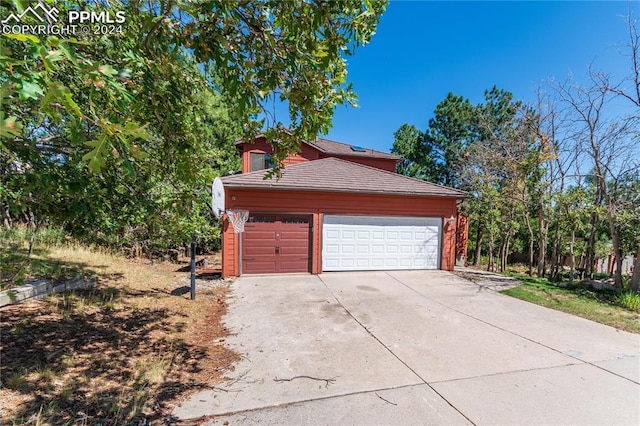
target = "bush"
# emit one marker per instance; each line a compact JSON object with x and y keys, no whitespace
{"x":629,"y":299}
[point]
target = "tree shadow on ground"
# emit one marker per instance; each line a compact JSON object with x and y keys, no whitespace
{"x":88,"y":357}
{"x":487,"y":279}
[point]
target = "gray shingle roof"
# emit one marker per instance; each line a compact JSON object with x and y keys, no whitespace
{"x":337,"y":175}
{"x":338,"y":148}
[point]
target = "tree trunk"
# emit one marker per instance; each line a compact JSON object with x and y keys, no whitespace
{"x":591,"y":247}
{"x":31,"y":241}
{"x":490,"y":253}
{"x":528,"y":223}
{"x":505,"y":254}
{"x":542,"y":243}
{"x":501,"y":251}
{"x":635,"y":276}
{"x":617,"y":249}
{"x":554,"y":252}
{"x":478,"y":251}
{"x":7,"y":218}
{"x":572,"y":256}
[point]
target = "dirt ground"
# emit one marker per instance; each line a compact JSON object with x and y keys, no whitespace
{"x":120,"y":353}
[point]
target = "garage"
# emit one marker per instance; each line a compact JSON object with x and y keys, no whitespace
{"x":369,"y":243}
{"x":276,"y":244}
{"x":335,"y":215}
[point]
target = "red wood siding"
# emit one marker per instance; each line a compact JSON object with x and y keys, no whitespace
{"x":387,"y":164}
{"x":230,"y":258}
{"x":318,"y":203}
{"x":307,"y":153}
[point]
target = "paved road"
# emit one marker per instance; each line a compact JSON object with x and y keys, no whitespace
{"x":415,"y":347}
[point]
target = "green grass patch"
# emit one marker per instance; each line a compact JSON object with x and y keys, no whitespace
{"x":582,"y":300}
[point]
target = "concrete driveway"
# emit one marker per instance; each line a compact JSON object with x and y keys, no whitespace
{"x":415,"y":347}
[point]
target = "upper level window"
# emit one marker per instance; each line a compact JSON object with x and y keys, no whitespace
{"x":259,"y":161}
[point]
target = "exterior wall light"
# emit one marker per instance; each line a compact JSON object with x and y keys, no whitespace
{"x":451,"y":220}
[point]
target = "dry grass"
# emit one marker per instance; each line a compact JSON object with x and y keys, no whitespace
{"x":119,"y":353}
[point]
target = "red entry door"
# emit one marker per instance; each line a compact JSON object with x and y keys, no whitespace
{"x":276,"y":244}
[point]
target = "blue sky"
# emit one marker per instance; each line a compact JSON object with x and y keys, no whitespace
{"x":423,"y":50}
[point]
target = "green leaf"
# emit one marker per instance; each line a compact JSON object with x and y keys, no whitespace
{"x":322,"y":52}
{"x":136,"y":130}
{"x":55,"y":55}
{"x":22,"y":37}
{"x":96,"y":156}
{"x":30,"y":90}
{"x":68,"y":52}
{"x":107,"y":70}
{"x":68,"y":101}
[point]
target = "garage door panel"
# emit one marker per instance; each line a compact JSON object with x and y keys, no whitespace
{"x":376,"y":262}
{"x":292,"y":251}
{"x":347,"y":248}
{"x":347,"y":263}
{"x":332,"y":264}
{"x":362,"y":262}
{"x":299,"y":264}
{"x":259,"y":251}
{"x":293,"y":240}
{"x":262,"y":235}
{"x":332,"y":248}
{"x":333,"y":233}
{"x":364,"y":235}
{"x":255,"y":267}
{"x":364,"y":249}
{"x":273,"y":244}
{"x":376,"y":242}
{"x":348,"y":234}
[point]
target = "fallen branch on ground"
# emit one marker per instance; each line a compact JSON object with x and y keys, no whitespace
{"x":326,"y":384}
{"x":386,"y":400}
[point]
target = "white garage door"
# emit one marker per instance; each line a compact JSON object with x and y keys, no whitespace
{"x":369,"y":243}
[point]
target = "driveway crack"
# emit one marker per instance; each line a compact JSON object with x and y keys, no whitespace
{"x":391,"y":352}
{"x":505,"y":330}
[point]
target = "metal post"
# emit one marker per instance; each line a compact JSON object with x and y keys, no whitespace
{"x":193,"y":268}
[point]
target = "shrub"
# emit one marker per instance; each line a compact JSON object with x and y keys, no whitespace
{"x":629,"y":299}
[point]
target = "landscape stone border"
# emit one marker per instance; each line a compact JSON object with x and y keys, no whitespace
{"x":43,"y":288}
